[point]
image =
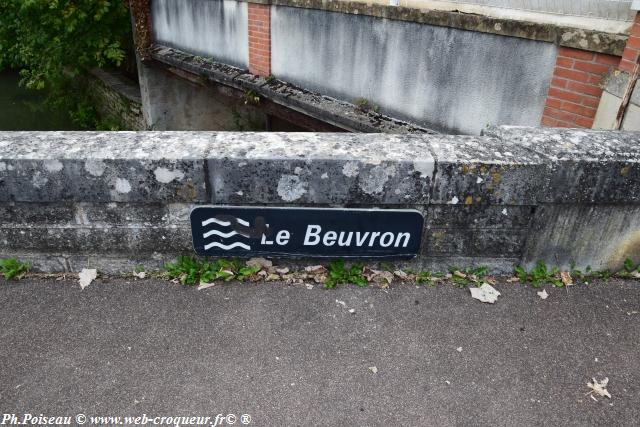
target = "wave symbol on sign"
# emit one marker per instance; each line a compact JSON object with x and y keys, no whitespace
{"x":224,"y":234}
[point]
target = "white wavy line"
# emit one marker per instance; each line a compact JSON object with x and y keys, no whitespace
{"x":224,"y":223}
{"x":227,"y":247}
{"x":222,"y":234}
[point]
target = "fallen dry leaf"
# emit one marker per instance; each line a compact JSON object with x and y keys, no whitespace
{"x":320,"y":278}
{"x":86,"y":276}
{"x":315,"y":269}
{"x":599,"y":387}
{"x":259,"y":262}
{"x":309,"y":286}
{"x":485,"y":293}
{"x":566,"y":278}
{"x":543,"y":294}
{"x":282,"y":270}
{"x":401,"y":274}
{"x":513,"y":279}
{"x":205,"y":285}
{"x":140,"y":275}
{"x":377,"y":276}
{"x":373,"y":369}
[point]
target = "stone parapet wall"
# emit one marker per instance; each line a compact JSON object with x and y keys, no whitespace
{"x":69,"y":200}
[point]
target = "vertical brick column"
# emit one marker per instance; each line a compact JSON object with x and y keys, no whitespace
{"x":632,"y":48}
{"x":259,"y":39}
{"x":574,"y":94}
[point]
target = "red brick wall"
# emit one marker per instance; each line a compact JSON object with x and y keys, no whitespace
{"x":574,"y":94}
{"x":632,"y":49}
{"x":259,"y":39}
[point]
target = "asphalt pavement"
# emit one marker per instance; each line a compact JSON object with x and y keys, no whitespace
{"x":287,"y":355}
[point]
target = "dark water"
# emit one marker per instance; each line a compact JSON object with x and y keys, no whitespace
{"x":23,"y":109}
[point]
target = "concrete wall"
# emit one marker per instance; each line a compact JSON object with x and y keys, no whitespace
{"x":69,"y":200}
{"x":209,"y":28}
{"x":173,"y":103}
{"x":446,"y":79}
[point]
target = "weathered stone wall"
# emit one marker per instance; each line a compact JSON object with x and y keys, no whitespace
{"x":116,"y":96}
{"x":69,"y":200}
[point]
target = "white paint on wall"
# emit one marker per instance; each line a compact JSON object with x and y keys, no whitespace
{"x":210,"y":28}
{"x":450,"y":80}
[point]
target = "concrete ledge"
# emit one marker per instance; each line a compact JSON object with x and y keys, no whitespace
{"x":591,"y":40}
{"x":515,"y":195}
{"x":340,"y":114}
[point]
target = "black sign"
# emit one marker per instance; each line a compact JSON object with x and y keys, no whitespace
{"x":306,"y":232}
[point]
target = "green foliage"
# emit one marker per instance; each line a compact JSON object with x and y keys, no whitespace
{"x":53,"y":42}
{"x":270,"y":79}
{"x":363,"y":104}
{"x":251,"y":97}
{"x":539,"y":275}
{"x":424,"y":277}
{"x":192,"y":271}
{"x":187,"y":269}
{"x":628,"y":269}
{"x":338,"y":273}
{"x":467,"y":276}
{"x":11,"y":268}
{"x":49,"y":40}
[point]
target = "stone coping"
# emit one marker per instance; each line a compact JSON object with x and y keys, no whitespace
{"x":505,"y":166}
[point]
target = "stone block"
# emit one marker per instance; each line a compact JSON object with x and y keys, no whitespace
{"x":583,"y":166}
{"x":103,"y":167}
{"x":596,"y":236}
{"x":320,"y":169}
{"x":477,"y":170}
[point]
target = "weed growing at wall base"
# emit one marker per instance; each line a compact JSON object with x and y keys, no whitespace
{"x":11,"y":268}
{"x":191,"y":271}
{"x":541,"y":274}
{"x":338,"y":274}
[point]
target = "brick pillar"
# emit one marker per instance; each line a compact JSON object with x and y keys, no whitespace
{"x":574,"y":94}
{"x":259,"y":39}
{"x":632,"y":48}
